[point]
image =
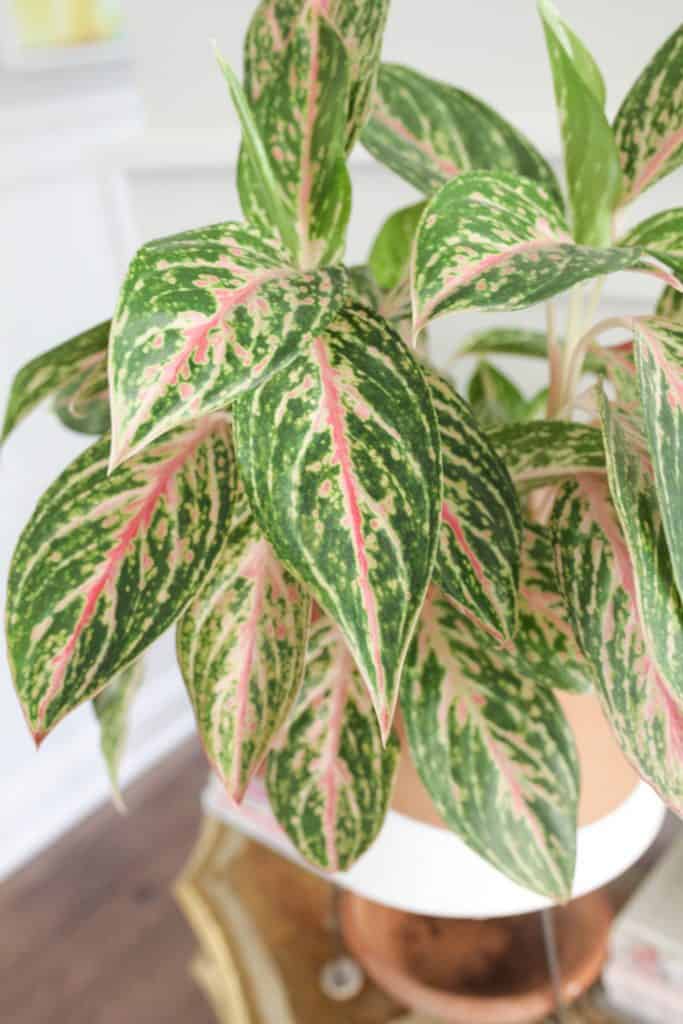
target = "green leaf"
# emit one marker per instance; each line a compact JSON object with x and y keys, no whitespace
{"x":494,"y":397}
{"x":659,"y":360}
{"x":510,"y":341}
{"x":83,"y":404}
{"x":649,"y":125}
{"x":52,"y":370}
{"x":542,"y":452}
{"x":670,"y":305}
{"x":427,"y":132}
{"x":363,"y":287}
{"x":360,"y":25}
{"x":597,"y":578}
{"x":301,"y":117}
{"x":391,"y":251}
{"x":481,"y":523}
{"x":241,"y":646}
{"x":662,"y":236}
{"x":493,"y":749}
{"x":108,"y":562}
{"x":202,"y":317}
{"x":329,"y":777}
{"x":264,"y":187}
{"x":346,"y":484}
{"x":111,"y":707}
{"x":545,"y":647}
{"x":595,"y":183}
{"x":492,"y":241}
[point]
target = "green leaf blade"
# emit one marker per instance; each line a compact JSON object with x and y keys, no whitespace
{"x":347,"y":486}
{"x":202,"y":317}
{"x":545,"y":451}
{"x":52,"y":370}
{"x":329,"y":777}
{"x":480,"y":536}
{"x":112,"y":707}
{"x":649,"y":124}
{"x":493,"y":750}
{"x":241,"y":646}
{"x":492,"y":241}
{"x":428,"y":132}
{"x":108,"y":562}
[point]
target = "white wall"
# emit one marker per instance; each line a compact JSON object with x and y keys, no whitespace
{"x":79,"y":188}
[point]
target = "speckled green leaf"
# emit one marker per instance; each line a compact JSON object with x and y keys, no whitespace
{"x":301,"y":116}
{"x":112,"y":708}
{"x":346,"y":483}
{"x":52,"y":370}
{"x":427,"y":132}
{"x":360,"y":25}
{"x":594,"y":183}
{"x":481,"y":524}
{"x":492,"y":241}
{"x":241,"y":645}
{"x":493,"y":750}
{"x":109,"y":561}
{"x":329,"y":777}
{"x":670,"y":305}
{"x":597,"y":579}
{"x":83,"y":404}
{"x":649,"y":125}
{"x":661,"y":235}
{"x":545,"y":646}
{"x":659,"y":358}
{"x":545,"y":451}
{"x":202,"y":317}
{"x":494,"y":398}
{"x":391,"y":250}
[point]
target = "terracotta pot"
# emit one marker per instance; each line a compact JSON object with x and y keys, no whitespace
{"x":476,"y":972}
{"x":607,"y":779}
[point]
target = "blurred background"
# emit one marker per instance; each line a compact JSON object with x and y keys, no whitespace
{"x":115,"y":127}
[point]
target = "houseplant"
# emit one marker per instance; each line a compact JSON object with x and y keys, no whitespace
{"x":330,"y":526}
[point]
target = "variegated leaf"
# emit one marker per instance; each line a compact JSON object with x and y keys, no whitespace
{"x":481,"y":523}
{"x":595,"y":183}
{"x":360,"y":25}
{"x":597,"y":579}
{"x":202,"y":317}
{"x":112,"y":707}
{"x":513,"y":341}
{"x":329,"y":776}
{"x":54,"y":369}
{"x":427,"y":132}
{"x":494,"y":398}
{"x":545,"y":646}
{"x":108,"y":562}
{"x":83,"y":403}
{"x":340,"y":457}
{"x":670,"y":304}
{"x":659,"y":358}
{"x":661,"y":235}
{"x":391,"y":250}
{"x":649,"y":125}
{"x":542,"y":452}
{"x":301,"y":116}
{"x":492,"y":241}
{"x":241,"y":645}
{"x":493,"y":749}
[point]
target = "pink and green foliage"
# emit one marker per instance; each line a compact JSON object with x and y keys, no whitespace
{"x":109,"y":561}
{"x":649,"y":125}
{"x":374,"y":540}
{"x":329,"y":774}
{"x":346,"y":484}
{"x":241,"y":646}
{"x":492,"y":748}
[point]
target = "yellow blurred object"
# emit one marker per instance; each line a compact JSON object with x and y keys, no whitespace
{"x":67,"y":22}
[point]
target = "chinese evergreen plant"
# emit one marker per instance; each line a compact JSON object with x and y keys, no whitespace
{"x":333,"y":529}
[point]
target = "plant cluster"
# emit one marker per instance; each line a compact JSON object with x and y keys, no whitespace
{"x":333,"y":529}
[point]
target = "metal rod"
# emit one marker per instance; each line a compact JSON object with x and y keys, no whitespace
{"x":553,"y":961}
